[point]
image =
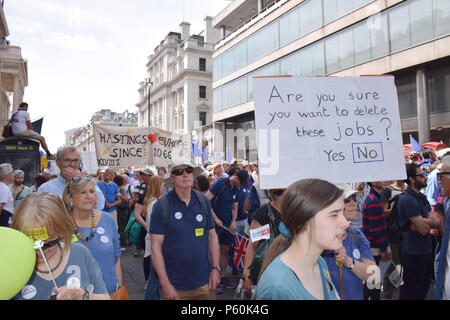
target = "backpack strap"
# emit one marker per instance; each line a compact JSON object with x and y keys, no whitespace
{"x":220,"y":193}
{"x":164,"y":203}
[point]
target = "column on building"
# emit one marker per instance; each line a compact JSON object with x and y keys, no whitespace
{"x":423,"y":117}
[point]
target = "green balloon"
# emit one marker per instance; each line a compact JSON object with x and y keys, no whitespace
{"x":17,"y":260}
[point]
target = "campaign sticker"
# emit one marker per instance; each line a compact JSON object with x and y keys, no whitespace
{"x":199,"y":218}
{"x":199,"y":232}
{"x":178,"y":215}
{"x":104,"y":239}
{"x":28,"y":292}
{"x":100,"y":230}
{"x":356,"y":254}
{"x":73,"y":283}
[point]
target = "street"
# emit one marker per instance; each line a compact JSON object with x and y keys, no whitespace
{"x":133,"y":276}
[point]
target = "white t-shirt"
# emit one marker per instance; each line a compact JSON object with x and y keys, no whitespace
{"x":19,"y":121}
{"x":6,"y":198}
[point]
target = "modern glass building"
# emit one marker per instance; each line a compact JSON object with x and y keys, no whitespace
{"x":409,"y":39}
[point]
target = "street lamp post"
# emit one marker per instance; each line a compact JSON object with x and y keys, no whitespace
{"x":148,"y":84}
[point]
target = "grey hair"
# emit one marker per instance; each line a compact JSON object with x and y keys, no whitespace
{"x":5,"y":169}
{"x":63,"y":150}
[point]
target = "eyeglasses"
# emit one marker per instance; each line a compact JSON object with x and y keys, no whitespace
{"x":440,"y":174}
{"x":423,"y":175}
{"x":70,"y":161}
{"x":349,"y":199}
{"x":179,"y":172}
{"x":278,"y":192}
{"x":50,"y":244}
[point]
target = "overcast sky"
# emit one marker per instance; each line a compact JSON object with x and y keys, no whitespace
{"x":87,"y":55}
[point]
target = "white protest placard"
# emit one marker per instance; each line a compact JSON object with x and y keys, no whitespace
{"x":139,"y":146}
{"x":89,"y":159}
{"x":340,"y":129}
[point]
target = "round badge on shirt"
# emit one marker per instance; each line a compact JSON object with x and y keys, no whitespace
{"x":28,"y":292}
{"x":100,"y":230}
{"x":199,"y":218}
{"x":356,"y":254}
{"x":178,"y":215}
{"x":104,"y":239}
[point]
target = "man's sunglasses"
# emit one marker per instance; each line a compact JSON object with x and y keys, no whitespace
{"x":179,"y":172}
{"x":348,"y":199}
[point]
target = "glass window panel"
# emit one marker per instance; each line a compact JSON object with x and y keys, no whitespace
{"x":318,"y":60}
{"x":346,"y":58}
{"x":441,"y":17}
{"x":421,"y":20}
{"x":290,"y":65}
{"x":262,"y":42}
{"x":306,"y":62}
{"x":289,"y":27}
{"x":399,"y":33}
{"x":361,"y":43}
{"x":329,"y":10}
{"x":332,"y":54}
{"x":438,"y":84}
{"x":239,"y":56}
{"x":227,"y":62}
{"x":217,"y":65}
{"x":345,"y":7}
{"x":310,"y":16}
{"x":217,"y":99}
{"x":378,"y":29}
{"x":407,"y":101}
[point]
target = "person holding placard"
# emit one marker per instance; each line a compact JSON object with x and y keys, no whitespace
{"x":313,"y":221}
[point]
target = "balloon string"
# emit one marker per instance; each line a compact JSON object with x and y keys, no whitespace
{"x":49,"y":269}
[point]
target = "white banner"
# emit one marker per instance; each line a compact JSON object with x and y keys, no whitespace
{"x":139,"y":146}
{"x":340,"y":129}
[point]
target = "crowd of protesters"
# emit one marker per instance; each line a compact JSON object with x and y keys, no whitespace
{"x":326,"y":240}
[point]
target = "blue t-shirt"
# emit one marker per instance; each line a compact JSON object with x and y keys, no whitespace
{"x":185,"y":247}
{"x":279,"y":282}
{"x":81,"y":269}
{"x":242,"y":195}
{"x":223,"y":205}
{"x":353,"y":286}
{"x":105,"y":248}
{"x":412,"y":204}
{"x":110,"y":190}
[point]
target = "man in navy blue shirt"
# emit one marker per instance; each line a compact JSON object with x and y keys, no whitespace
{"x":223,"y":195}
{"x":416,"y":219}
{"x":185,"y":249}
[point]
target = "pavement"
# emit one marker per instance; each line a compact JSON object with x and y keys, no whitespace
{"x":134,"y":280}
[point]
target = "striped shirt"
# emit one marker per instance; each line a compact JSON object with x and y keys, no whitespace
{"x":374,"y":221}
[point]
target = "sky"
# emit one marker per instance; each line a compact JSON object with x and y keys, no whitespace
{"x":88,"y":55}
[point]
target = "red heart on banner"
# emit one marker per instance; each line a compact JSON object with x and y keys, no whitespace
{"x":152,"y":138}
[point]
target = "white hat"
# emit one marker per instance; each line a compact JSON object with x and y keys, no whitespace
{"x":348,"y":190}
{"x":176,"y":163}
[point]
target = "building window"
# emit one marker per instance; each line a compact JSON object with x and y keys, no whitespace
{"x":202,"y":91}
{"x":202,"y":64}
{"x":202,"y":117}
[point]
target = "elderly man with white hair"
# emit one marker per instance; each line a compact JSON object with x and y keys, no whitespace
{"x":18,"y":188}
{"x":6,"y":199}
